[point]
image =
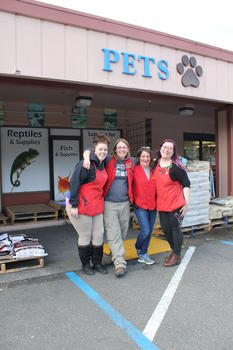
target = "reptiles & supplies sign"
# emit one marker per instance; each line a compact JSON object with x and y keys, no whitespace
{"x":25,"y":160}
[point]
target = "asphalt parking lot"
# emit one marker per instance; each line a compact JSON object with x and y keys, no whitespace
{"x":152,"y":307}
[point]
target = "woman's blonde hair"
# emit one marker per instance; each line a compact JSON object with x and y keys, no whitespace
{"x":114,"y":154}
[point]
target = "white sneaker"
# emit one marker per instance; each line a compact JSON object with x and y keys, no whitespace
{"x":145,"y":259}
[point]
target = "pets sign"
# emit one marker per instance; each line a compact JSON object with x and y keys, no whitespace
{"x":188,"y":68}
{"x":130,"y":62}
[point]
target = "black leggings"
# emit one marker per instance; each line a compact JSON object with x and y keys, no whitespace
{"x":172,"y":230}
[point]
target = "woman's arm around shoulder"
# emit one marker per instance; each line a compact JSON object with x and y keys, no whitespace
{"x":86,"y":158}
{"x":133,"y":160}
{"x":87,"y":154}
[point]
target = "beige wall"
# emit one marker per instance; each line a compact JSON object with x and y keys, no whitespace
{"x":41,"y":49}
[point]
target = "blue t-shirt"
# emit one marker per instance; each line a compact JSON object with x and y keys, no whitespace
{"x":118,"y":191}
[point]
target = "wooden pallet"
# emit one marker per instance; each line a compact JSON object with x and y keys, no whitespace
{"x":136,"y":226}
{"x":157,"y":231}
{"x":31,"y":211}
{"x":14,"y":265}
{"x":64,"y":212}
{"x":202,"y":228}
{"x":3,"y":218}
{"x":60,"y":207}
{"x":226,"y":221}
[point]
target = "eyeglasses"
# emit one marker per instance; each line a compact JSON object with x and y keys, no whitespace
{"x":168,"y":148}
{"x":145,"y":147}
{"x":122,"y":147}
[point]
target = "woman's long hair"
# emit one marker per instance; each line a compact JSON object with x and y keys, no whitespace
{"x":175,"y":158}
{"x":148,"y":150}
{"x":114,"y":154}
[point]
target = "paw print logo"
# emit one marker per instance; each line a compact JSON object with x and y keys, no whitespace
{"x":190,"y":77}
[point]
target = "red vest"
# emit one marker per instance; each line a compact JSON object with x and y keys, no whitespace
{"x":169,"y":193}
{"x":111,"y":170}
{"x":144,"y":190}
{"x":91,"y":197}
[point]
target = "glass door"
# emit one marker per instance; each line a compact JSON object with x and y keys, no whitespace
{"x":199,"y":147}
{"x":192,"y":150}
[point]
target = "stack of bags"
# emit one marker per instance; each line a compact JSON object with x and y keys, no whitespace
{"x":198,"y":210}
{"x":221,"y":208}
{"x":6,"y":247}
{"x":20,"y":247}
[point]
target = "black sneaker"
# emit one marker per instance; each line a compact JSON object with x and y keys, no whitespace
{"x":88,"y":270}
{"x":100,"y":268}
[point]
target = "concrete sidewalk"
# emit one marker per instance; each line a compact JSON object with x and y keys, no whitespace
{"x":60,"y":242}
{"x":51,"y":312}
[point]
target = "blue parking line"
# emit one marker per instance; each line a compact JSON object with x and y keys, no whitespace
{"x":227,"y":242}
{"x":138,"y":337}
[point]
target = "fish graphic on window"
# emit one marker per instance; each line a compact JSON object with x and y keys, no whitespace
{"x":63,"y":184}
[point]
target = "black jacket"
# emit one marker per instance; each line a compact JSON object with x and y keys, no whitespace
{"x":82,"y":176}
{"x":177,"y":174}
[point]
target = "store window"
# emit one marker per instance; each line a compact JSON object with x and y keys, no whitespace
{"x":200,"y":147}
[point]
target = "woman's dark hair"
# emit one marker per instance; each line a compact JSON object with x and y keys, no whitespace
{"x":101,"y":138}
{"x":175,"y":158}
{"x":148,"y":150}
{"x":114,"y":154}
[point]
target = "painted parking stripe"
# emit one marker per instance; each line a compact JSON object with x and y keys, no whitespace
{"x":137,"y":336}
{"x":162,"y":307}
{"x":227,"y":242}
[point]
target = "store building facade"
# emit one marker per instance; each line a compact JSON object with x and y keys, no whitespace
{"x":136,"y":83}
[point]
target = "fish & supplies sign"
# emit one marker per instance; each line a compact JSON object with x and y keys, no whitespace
{"x":65,"y":157}
{"x":25,"y":160}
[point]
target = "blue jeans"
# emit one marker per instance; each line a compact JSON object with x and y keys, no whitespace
{"x":146,"y":220}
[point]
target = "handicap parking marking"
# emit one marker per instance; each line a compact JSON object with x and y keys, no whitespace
{"x":227,"y":242}
{"x":137,"y":336}
{"x":162,"y":307}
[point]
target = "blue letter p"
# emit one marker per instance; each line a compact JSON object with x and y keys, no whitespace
{"x":107,"y":54}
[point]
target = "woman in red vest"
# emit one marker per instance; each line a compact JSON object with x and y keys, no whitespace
{"x":173,"y":192}
{"x":85,"y":206}
{"x":144,"y":195}
{"x":118,"y":197}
